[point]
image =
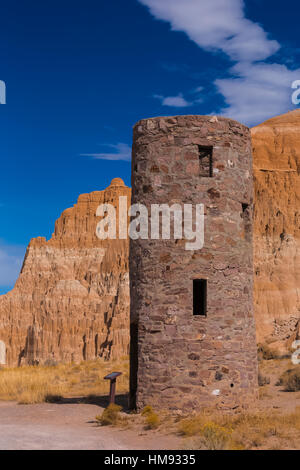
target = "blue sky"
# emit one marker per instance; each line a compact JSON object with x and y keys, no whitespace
{"x":80,"y":74}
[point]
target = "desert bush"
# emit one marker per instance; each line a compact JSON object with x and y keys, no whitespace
{"x":290,"y":380}
{"x":215,"y":437}
{"x":264,"y":352}
{"x":244,"y":430}
{"x":263,"y":380}
{"x":147,"y":410}
{"x":211,"y":436}
{"x":215,"y":430}
{"x":190,"y":426}
{"x":110,"y":416}
{"x":152,"y":420}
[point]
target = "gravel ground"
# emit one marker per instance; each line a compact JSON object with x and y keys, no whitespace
{"x":68,"y":427}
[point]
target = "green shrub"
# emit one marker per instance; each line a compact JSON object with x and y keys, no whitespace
{"x":110,"y":416}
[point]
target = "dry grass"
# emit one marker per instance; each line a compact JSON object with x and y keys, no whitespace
{"x":37,"y":384}
{"x":147,"y":410}
{"x":264,"y":352}
{"x":110,"y":416}
{"x":214,"y":430}
{"x":213,"y":437}
{"x":266,"y":428}
{"x":290,"y":379}
{"x":152,"y":419}
{"x":263,"y":380}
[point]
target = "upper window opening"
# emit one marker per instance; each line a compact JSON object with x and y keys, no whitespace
{"x":206,"y":161}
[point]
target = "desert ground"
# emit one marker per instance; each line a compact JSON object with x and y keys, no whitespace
{"x":61,"y":407}
{"x":70,"y":426}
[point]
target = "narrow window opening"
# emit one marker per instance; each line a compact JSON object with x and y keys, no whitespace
{"x":244,"y":207}
{"x":200,"y":297}
{"x":246,"y":216}
{"x":206,"y":161}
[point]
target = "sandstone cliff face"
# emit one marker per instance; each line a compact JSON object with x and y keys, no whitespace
{"x":71,"y":301}
{"x":276,"y":156}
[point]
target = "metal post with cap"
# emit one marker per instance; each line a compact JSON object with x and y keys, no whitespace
{"x":113,"y":379}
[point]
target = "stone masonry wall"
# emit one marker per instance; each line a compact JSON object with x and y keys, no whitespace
{"x":178,"y":360}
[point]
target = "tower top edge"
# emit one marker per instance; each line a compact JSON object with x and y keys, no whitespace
{"x":182,"y":120}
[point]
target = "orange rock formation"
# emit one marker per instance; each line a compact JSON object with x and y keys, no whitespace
{"x":276,"y":156}
{"x":71,"y":301}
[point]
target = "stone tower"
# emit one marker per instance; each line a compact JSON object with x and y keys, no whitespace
{"x":193,"y":338}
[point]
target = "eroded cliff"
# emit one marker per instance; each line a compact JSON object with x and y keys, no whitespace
{"x":276,"y":156}
{"x":71,"y":300}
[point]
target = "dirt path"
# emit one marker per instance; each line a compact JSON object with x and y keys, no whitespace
{"x":70,"y":427}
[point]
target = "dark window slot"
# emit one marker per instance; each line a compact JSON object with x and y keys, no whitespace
{"x":244,"y":207}
{"x":206,"y":161}
{"x":246,"y":216}
{"x":200,"y":297}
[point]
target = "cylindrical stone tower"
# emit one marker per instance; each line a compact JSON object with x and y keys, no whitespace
{"x":193,"y":338}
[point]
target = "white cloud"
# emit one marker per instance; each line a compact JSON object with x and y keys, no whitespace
{"x":256,"y":90}
{"x":11,"y":259}
{"x":174,"y":101}
{"x":260,"y":91}
{"x":216,"y":24}
{"x":199,"y":89}
{"x":122,"y":152}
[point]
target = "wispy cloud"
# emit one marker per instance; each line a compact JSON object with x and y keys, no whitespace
{"x":174,"y":101}
{"x":121,"y":152}
{"x":11,"y":259}
{"x":179,"y":101}
{"x":258,"y":92}
{"x":216,"y":25}
{"x":255,"y":89}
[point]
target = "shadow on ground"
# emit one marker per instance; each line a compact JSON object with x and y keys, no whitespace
{"x":99,"y":400}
